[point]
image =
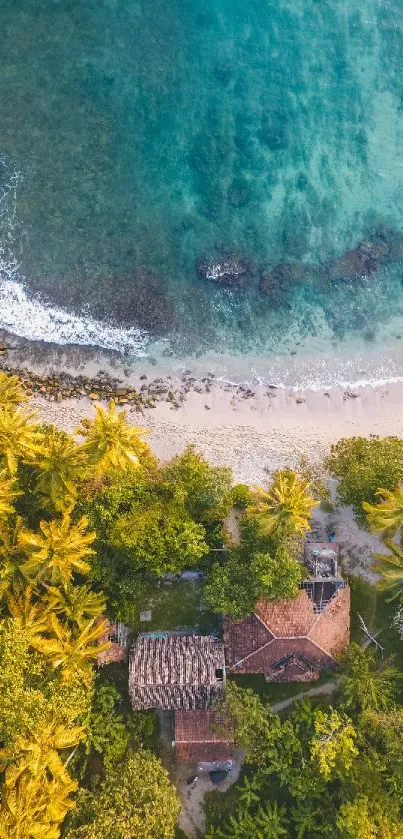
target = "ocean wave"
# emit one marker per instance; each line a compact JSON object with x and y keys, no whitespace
{"x":29,"y":318}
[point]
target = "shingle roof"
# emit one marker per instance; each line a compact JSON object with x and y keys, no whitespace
{"x":280,"y":629}
{"x":178,"y":671}
{"x":197,"y":736}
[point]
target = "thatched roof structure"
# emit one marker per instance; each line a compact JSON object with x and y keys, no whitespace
{"x":175,"y":671}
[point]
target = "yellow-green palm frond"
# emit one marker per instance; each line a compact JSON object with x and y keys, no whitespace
{"x":20,"y":437}
{"x":110,"y":442}
{"x":73,"y":652}
{"x":32,"y":613}
{"x":61,"y":466}
{"x":12,"y":555}
{"x":34,"y":808}
{"x":390,"y":569}
{"x":58,"y":551}
{"x":37,"y":751}
{"x":387,"y":515}
{"x":11,"y":391}
{"x":8,"y":493}
{"x":287,"y":505}
{"x":76,"y":603}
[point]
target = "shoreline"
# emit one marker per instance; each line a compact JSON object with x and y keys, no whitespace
{"x":254,"y":434}
{"x":255,"y":429}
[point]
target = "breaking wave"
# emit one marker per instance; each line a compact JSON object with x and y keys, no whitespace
{"x":29,"y":317}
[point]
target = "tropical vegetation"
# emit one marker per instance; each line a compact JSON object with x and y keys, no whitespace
{"x":93,"y":528}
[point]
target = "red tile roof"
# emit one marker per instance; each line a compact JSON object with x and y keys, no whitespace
{"x":289,"y":636}
{"x":197,"y":737}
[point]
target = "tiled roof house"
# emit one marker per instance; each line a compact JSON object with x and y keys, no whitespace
{"x":293,"y":640}
{"x":198,"y":737}
{"x":171,"y":672}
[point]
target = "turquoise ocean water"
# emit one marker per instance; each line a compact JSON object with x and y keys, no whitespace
{"x":140,"y":137}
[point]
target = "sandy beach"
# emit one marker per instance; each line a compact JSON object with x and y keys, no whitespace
{"x":254,"y":434}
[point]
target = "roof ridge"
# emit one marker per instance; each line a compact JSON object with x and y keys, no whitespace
{"x":258,"y":650}
{"x":255,"y":614}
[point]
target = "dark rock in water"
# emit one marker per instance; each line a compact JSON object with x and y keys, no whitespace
{"x":359,"y":262}
{"x":384,"y":246}
{"x":225,"y":272}
{"x":277,"y":283}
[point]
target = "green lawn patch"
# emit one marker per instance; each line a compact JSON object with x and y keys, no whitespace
{"x":178,"y":605}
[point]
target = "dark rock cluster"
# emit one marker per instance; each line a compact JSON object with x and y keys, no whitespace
{"x":383,"y":247}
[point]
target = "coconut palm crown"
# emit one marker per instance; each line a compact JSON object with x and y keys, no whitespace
{"x":60,"y":466}
{"x":20,"y":437}
{"x":58,"y":551}
{"x":11,"y":392}
{"x":110,"y":442}
{"x":390,"y":569}
{"x":386,"y":516}
{"x":73,"y":652}
{"x":286,"y":506}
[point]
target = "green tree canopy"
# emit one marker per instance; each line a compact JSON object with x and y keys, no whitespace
{"x":160,"y":538}
{"x":367,"y":683}
{"x":363,"y":465}
{"x":235,"y":585}
{"x":203,"y":488}
{"x":136,"y":799}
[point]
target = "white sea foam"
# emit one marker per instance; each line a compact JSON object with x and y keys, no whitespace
{"x":30,"y":318}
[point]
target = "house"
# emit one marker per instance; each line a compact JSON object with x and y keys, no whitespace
{"x":198,"y":737}
{"x":294,"y":640}
{"x":175,"y":671}
{"x":117,"y":634}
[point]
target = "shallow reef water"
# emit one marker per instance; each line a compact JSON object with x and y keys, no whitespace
{"x":139,"y":140}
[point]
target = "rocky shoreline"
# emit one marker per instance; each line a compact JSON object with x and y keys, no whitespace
{"x":59,"y":386}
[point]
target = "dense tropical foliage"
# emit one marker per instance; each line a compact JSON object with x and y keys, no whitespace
{"x":93,"y":526}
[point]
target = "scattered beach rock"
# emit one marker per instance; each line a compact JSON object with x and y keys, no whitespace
{"x":300,"y":400}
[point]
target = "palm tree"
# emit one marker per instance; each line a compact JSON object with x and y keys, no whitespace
{"x":20,"y":437}
{"x":57,"y":551}
{"x":33,"y":615}
{"x":8,"y":493}
{"x":34,"y":808}
{"x":76,"y":603}
{"x":110,"y":441}
{"x":61,"y":465}
{"x":37,"y":751}
{"x":71,"y":651}
{"x":11,"y":392}
{"x":12,"y":555}
{"x":367,"y":686}
{"x":390,"y":569}
{"x":286,"y":506}
{"x":271,"y":821}
{"x":387,"y":515}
